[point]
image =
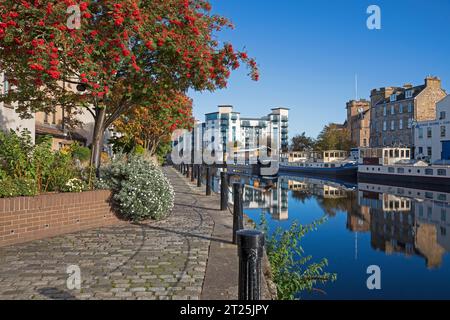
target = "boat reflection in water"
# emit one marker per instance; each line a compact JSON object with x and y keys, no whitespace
{"x":404,"y":231}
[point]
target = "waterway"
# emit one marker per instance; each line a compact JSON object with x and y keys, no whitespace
{"x":403,"y":231}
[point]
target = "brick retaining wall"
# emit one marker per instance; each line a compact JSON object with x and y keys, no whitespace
{"x":29,"y":218}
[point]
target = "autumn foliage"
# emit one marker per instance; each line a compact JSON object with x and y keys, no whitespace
{"x":153,"y":125}
{"x":134,"y":48}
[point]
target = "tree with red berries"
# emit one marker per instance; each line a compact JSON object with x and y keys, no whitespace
{"x":75,"y":53}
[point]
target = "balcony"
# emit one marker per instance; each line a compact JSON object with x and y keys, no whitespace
{"x":262,"y":124}
{"x":284,"y":131}
{"x":234,"y":117}
{"x":284,"y":119}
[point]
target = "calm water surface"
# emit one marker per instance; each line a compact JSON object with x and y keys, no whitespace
{"x":406,"y":232}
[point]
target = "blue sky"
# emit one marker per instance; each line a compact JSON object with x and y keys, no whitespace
{"x":309,"y":53}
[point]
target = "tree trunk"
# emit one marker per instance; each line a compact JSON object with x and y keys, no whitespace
{"x":97,"y":141}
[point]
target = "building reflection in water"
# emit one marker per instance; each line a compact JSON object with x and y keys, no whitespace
{"x":268,"y":195}
{"x":408,"y":221}
{"x":400,"y":220}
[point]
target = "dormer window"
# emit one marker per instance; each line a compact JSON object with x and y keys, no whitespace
{"x":409,"y":94}
{"x":393,"y":97}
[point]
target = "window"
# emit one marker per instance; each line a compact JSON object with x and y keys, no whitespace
{"x":410,"y":123}
{"x":443,"y":131}
{"x":430,"y":151}
{"x":429,"y":172}
{"x":365,"y":143}
{"x":442,"y":115}
{"x":6,"y":86}
{"x":429,"y":132}
{"x":391,"y":170}
{"x":420,"y":133}
{"x":53,"y":117}
{"x":400,"y":170}
{"x":420,"y":150}
{"x":384,"y":125}
{"x":385,"y":110}
{"x":410,"y":107}
{"x":400,"y":108}
{"x":392,"y":109}
{"x":442,"y":172}
{"x":409,"y":94}
{"x":392,"y":125}
{"x":393,"y":97}
{"x":401,"y":124}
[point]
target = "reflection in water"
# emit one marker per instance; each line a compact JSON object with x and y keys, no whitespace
{"x":409,"y":221}
{"x":400,"y":220}
{"x":403,"y":230}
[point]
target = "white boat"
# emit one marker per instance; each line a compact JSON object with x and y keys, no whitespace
{"x":394,"y":166}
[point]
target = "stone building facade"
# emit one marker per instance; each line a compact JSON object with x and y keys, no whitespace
{"x":358,"y":122}
{"x":395,"y":110}
{"x":9,"y":118}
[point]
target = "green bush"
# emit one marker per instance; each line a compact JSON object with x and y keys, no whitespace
{"x":140,"y":189}
{"x":292,"y":270}
{"x":81,"y":153}
{"x":12,"y":187}
{"x":139,"y":150}
{"x":27,"y":169}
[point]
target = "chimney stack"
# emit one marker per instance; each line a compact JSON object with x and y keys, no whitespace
{"x":431,"y":81}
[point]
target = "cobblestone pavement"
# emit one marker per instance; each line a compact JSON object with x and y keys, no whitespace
{"x":158,"y":260}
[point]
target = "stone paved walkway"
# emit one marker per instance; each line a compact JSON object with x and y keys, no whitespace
{"x":162,"y":260}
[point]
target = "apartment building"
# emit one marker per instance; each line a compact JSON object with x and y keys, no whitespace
{"x":395,"y":110}
{"x":432,"y":138}
{"x":242,"y":138}
{"x":358,"y":122}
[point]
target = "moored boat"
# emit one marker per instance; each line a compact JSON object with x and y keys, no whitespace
{"x":394,"y":166}
{"x":333,"y":163}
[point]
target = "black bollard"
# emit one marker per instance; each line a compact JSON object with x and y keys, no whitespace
{"x":199,"y":176}
{"x":208,"y":180}
{"x":187,"y":171}
{"x":223,"y":191}
{"x":250,"y":251}
{"x":238,"y":212}
{"x":192,"y":173}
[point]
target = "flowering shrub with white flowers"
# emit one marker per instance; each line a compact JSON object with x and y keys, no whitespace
{"x":74,"y":185}
{"x":140,"y":189}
